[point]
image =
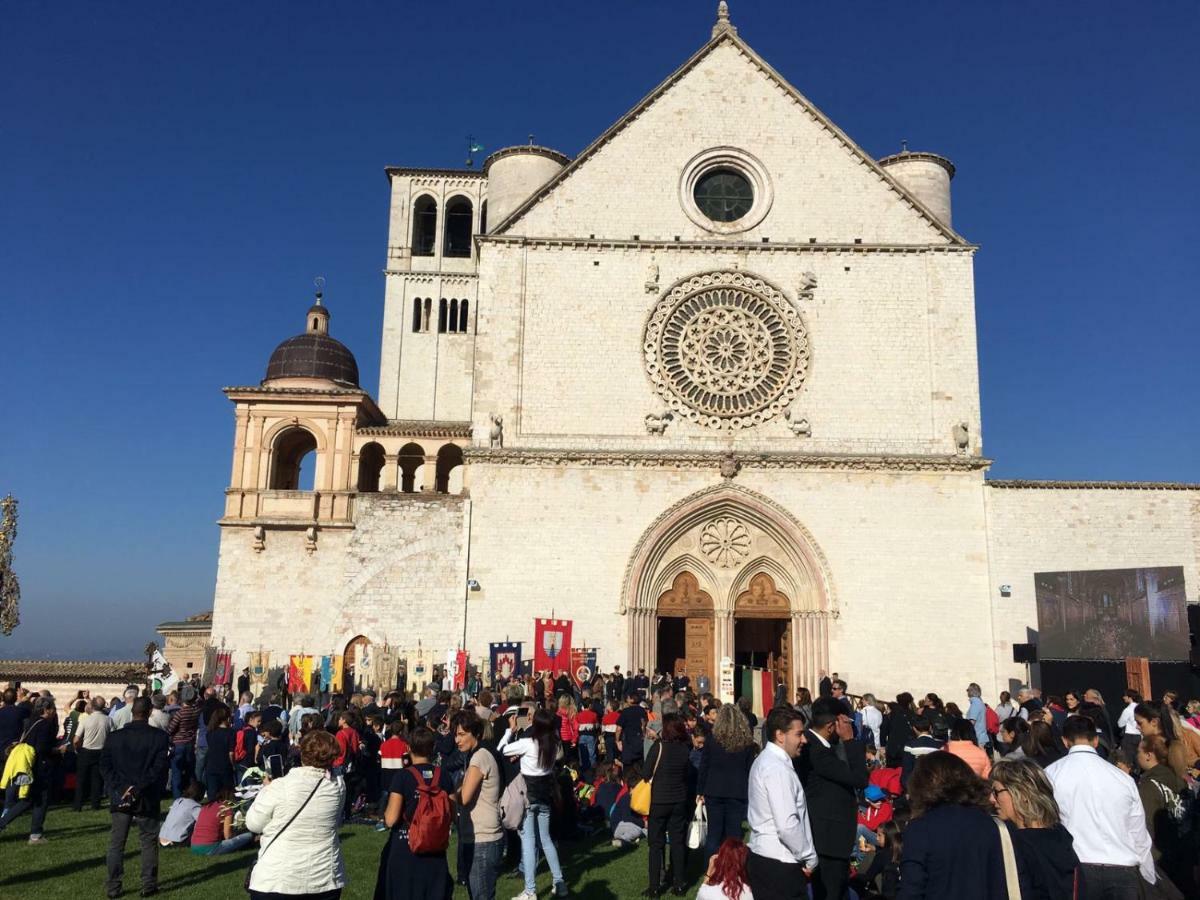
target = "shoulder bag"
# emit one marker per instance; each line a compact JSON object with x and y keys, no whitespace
{"x":639,"y":797}
{"x":1010,"y":861}
{"x":250,"y":871}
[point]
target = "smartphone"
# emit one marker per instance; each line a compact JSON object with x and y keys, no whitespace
{"x":275,"y":765}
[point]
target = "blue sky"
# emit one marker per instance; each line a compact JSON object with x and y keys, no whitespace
{"x":173,"y":176}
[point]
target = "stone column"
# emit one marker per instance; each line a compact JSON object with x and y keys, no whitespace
{"x":389,"y":477}
{"x":428,"y":475}
{"x":797,"y":650}
{"x":723,"y":637}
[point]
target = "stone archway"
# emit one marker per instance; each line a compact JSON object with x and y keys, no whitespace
{"x":725,"y":538}
{"x":762,"y":629}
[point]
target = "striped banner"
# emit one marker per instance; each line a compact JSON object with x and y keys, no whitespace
{"x":759,"y":686}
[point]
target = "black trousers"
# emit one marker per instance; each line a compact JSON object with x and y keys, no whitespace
{"x":148,"y":835}
{"x":831,"y":881}
{"x":668,"y":819}
{"x":770,"y":879}
{"x":89,"y":784}
{"x":1110,"y":882}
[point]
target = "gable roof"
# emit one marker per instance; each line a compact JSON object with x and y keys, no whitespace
{"x":722,"y":35}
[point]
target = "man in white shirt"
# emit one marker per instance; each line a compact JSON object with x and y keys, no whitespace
{"x":1101,"y":809}
{"x":1128,"y":730}
{"x":782,"y":853}
{"x":124,"y":715}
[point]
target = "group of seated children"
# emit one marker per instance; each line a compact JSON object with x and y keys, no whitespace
{"x":208,"y":828}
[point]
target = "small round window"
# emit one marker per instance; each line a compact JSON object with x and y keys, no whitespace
{"x":724,"y":195}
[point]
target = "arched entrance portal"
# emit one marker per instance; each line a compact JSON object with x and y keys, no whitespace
{"x":685,"y":628}
{"x":762,"y":630}
{"x":727,"y":572}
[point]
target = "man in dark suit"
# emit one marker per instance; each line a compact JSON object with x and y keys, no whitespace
{"x":134,"y":765}
{"x":832,"y":767}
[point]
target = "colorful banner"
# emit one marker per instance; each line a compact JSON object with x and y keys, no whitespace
{"x":461,"y":664}
{"x":164,"y":678}
{"x":417,"y":673}
{"x":210,"y":665}
{"x":385,"y":669}
{"x":505,"y":660}
{"x":259,"y":664}
{"x":552,"y":645}
{"x":306,"y":671}
{"x":326,"y":672}
{"x":759,"y":686}
{"x":362,"y":667}
{"x":583,"y":665}
{"x":224,"y":668}
{"x":335,"y":675}
{"x":296,"y":683}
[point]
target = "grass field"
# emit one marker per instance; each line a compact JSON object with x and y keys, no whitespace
{"x":71,"y":865}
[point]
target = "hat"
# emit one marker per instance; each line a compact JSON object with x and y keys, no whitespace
{"x":874,"y":793}
{"x":425,"y":706}
{"x":187,"y":693}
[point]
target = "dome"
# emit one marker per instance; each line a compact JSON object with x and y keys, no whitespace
{"x":314,"y":354}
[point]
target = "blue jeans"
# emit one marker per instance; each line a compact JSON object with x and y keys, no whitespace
{"x":537,"y":825}
{"x":235,"y":843}
{"x":201,"y":760}
{"x":481,"y":865}
{"x":725,"y":817}
{"x":183,"y":767}
{"x":587,"y":752}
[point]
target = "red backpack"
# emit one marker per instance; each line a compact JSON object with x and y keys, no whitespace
{"x":429,"y":825}
{"x":991,"y":720}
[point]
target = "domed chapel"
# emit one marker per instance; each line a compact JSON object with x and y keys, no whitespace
{"x":709,"y":390}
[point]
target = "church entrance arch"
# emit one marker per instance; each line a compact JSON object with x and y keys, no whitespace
{"x":685,"y":619}
{"x":727,"y":572}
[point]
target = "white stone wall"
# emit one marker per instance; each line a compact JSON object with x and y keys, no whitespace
{"x":892,"y":337}
{"x":1068,"y":529}
{"x":906,"y":552}
{"x":397,"y":575}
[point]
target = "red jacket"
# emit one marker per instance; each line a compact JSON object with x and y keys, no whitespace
{"x":872,"y":818}
{"x":347,"y":739}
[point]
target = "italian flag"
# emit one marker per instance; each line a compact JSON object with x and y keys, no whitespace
{"x":759,"y":686}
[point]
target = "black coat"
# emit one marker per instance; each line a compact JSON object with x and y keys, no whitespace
{"x":831,"y":786}
{"x":952,"y":853}
{"x":724,"y":775}
{"x":1046,"y":862}
{"x":670,"y":778}
{"x":136,"y":756}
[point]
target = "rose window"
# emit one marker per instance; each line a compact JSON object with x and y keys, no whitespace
{"x":725,"y":542}
{"x":726,"y":350}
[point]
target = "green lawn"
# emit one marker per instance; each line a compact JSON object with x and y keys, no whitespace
{"x":71,"y":865}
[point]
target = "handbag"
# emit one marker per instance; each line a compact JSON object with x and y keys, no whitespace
{"x":639,"y":797}
{"x":250,"y":871}
{"x":1010,"y":861}
{"x":698,"y":830}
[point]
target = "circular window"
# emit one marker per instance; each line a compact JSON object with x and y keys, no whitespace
{"x":724,"y":195}
{"x":726,"y":350}
{"x":725,"y":190}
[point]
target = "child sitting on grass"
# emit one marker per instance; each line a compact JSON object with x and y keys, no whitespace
{"x":181,"y":817}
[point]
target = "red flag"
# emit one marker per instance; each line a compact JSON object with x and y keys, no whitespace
{"x":224,"y":664}
{"x":552,"y":645}
{"x":296,"y":675}
{"x":460,"y":670}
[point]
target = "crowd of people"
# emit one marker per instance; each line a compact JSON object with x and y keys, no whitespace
{"x":829,"y":796}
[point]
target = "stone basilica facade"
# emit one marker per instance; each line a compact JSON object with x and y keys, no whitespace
{"x":708,"y":389}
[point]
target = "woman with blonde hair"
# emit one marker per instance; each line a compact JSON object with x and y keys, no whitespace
{"x":724,"y":776}
{"x":1024,"y":798}
{"x":568,"y":727}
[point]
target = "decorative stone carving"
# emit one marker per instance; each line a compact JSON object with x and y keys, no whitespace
{"x":658,"y":424}
{"x":310,"y":539}
{"x":260,"y":539}
{"x":726,"y":542}
{"x":652,"y":278}
{"x":798,"y":427}
{"x":962,"y":437}
{"x":726,"y":350}
{"x":496,"y":432}
{"x":808,"y":281}
{"x":730,"y":466}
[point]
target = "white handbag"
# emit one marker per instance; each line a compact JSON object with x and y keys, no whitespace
{"x":698,"y":830}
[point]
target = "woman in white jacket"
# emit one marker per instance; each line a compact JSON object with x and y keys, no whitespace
{"x":302,"y":813}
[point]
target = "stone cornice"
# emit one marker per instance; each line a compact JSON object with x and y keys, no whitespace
{"x":419,"y":170}
{"x":1020,"y":484}
{"x":714,"y":459}
{"x":418,"y":428}
{"x":593,"y":243}
{"x":294,"y":391}
{"x":430,"y":277}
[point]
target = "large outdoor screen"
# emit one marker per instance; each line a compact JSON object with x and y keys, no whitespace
{"x":1112,"y":614}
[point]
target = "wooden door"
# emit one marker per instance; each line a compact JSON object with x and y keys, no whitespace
{"x":699,"y":643}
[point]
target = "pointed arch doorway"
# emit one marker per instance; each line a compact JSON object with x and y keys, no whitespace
{"x":740,"y":574}
{"x":684,"y":642}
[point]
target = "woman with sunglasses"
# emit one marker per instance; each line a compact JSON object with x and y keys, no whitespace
{"x":1046,"y":860}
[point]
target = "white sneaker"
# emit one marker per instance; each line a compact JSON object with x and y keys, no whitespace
{"x":526,"y":895}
